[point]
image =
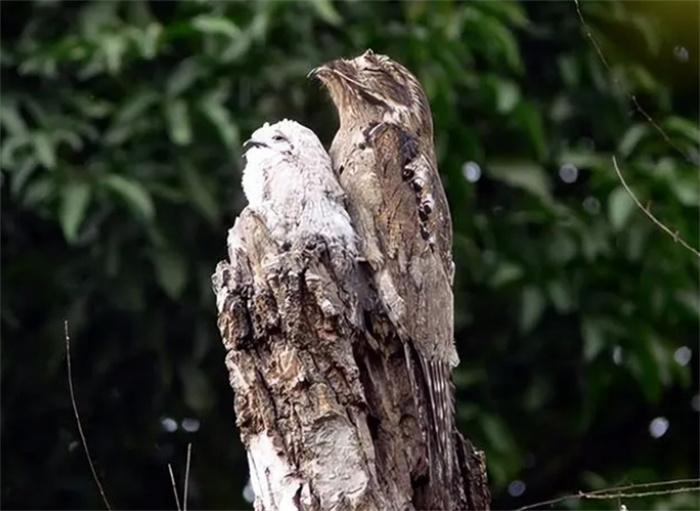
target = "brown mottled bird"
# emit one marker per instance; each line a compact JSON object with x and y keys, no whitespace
{"x":384,"y":156}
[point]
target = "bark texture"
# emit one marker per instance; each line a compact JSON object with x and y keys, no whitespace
{"x":323,"y":398}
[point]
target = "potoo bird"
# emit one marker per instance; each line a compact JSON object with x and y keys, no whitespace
{"x":384,"y":156}
{"x":289,"y":182}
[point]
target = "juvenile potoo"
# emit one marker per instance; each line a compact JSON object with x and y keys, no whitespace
{"x":384,"y":156}
{"x":288,"y":180}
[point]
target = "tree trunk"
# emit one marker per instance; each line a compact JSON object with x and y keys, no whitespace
{"x":323,"y":397}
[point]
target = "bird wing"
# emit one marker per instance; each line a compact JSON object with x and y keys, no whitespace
{"x":388,"y":179}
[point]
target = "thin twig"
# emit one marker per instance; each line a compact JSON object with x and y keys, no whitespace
{"x":651,"y":121}
{"x":648,"y":213}
{"x":187,"y":476}
{"x":608,"y":496}
{"x":77,"y":417}
{"x":619,"y":492}
{"x":636,"y":486}
{"x":629,"y":95}
{"x":172,"y":481}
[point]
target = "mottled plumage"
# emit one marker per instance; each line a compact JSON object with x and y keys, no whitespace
{"x":289,"y":182}
{"x":384,"y":156}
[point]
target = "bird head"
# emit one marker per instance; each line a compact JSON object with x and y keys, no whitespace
{"x":285,"y":140}
{"x":280,"y":151}
{"x":375,"y":88}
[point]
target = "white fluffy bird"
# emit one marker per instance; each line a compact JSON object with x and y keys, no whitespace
{"x":288,"y":180}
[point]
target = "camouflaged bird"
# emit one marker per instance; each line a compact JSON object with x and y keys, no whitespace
{"x":384,"y":157}
{"x":289,"y":183}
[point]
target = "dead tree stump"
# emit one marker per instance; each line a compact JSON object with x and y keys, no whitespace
{"x":323,"y":400}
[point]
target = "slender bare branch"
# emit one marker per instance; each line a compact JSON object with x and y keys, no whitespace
{"x":187,"y":477}
{"x":172,"y":482}
{"x":650,"y":120}
{"x":622,"y":492}
{"x":629,"y":95}
{"x":673,"y":234}
{"x":77,"y":417}
{"x":637,"y":495}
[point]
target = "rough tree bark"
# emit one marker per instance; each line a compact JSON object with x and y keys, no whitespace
{"x":323,"y":402}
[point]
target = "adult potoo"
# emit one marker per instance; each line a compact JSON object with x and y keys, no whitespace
{"x":289,"y":182}
{"x":384,"y":156}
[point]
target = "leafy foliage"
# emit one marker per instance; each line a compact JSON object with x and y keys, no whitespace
{"x":121,"y":131}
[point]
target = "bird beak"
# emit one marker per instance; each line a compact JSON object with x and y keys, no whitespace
{"x":250,"y":143}
{"x":333,"y":70}
{"x":315,"y":72}
{"x":321,"y":72}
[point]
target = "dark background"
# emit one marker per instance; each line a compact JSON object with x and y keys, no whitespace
{"x":576,"y":318}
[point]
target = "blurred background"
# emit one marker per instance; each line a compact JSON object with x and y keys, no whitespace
{"x":576,"y":318}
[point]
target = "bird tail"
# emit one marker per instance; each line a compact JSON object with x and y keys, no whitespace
{"x":441,"y":390}
{"x":436,"y":382}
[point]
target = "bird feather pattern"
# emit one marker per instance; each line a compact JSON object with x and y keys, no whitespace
{"x":384,"y":156}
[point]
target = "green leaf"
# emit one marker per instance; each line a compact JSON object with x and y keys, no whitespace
{"x":560,"y":295}
{"x":569,"y":69}
{"x":583,"y":159}
{"x":503,"y":450}
{"x":75,"y":197}
{"x":45,"y":150}
{"x":198,"y":393}
{"x":620,"y":207}
{"x":20,"y":175}
{"x":199,"y":193}
{"x":641,"y":79}
{"x":219,"y":25}
{"x":506,"y":273}
{"x":532,"y":306}
{"x":133,"y":194}
{"x":498,"y":434}
{"x":171,"y":272}
{"x":325,"y":10}
{"x":526,"y":175}
{"x":221,"y":119}
{"x":508,"y":96}
{"x":148,"y":39}
{"x":593,"y":338}
{"x":530,"y":120}
{"x":178,"y":121}
{"x":512,"y":12}
{"x":91,"y":107}
{"x":12,"y":148}
{"x":650,"y":33}
{"x":136,"y":107}
{"x":11,"y":120}
{"x":562,"y":248}
{"x":492,"y":37}
{"x":647,"y":364}
{"x":184,"y":76}
{"x":682,"y":127}
{"x":686,"y":192}
{"x":637,"y":239}
{"x":38,"y":192}
{"x":113,"y":48}
{"x":690,"y":301}
{"x":631,"y":139}
{"x":71,"y":139}
{"x":95,"y":17}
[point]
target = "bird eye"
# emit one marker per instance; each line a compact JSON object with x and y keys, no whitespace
{"x":278,"y":138}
